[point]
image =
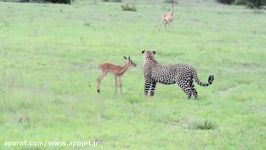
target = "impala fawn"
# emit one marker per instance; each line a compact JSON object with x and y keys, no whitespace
{"x":168,"y":17}
{"x":116,"y":70}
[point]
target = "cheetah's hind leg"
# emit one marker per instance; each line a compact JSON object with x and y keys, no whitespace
{"x":192,"y":88}
{"x":194,"y":92}
{"x":184,"y":85}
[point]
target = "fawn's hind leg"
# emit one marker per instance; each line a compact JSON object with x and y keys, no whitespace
{"x":116,"y":85}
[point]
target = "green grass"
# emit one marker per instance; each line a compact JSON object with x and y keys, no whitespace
{"x":49,"y":66}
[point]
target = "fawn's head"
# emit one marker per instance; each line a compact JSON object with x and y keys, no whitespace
{"x":129,"y":61}
{"x":172,"y":5}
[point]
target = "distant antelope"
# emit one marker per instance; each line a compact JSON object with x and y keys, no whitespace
{"x":116,"y":70}
{"x":168,"y":17}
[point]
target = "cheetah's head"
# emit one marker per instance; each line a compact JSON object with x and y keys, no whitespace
{"x":148,"y":55}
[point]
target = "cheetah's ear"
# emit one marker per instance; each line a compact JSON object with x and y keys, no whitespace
{"x":143,"y":51}
{"x":128,"y":58}
{"x":154,"y":52}
{"x":125,"y":57}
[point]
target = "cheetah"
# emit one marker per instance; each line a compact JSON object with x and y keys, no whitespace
{"x":181,"y":74}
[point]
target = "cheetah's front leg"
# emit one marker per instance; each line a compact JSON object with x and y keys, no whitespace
{"x":147,"y":86}
{"x":152,"y":88}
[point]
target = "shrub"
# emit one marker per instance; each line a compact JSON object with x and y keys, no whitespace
{"x":128,"y":7}
{"x":52,"y":1}
{"x":248,"y":3}
{"x":170,"y":1}
{"x":60,"y":1}
{"x":240,"y":2}
{"x":226,"y":1}
{"x":206,"y":125}
{"x":118,"y":1}
{"x":251,"y":3}
{"x":255,"y":3}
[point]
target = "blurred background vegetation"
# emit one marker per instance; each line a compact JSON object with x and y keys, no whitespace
{"x":249,"y":3}
{"x":40,"y":1}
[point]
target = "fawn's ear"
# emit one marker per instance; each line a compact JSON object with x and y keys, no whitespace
{"x":143,"y":51}
{"x":154,"y":52}
{"x":125,"y":57}
{"x":128,"y":58}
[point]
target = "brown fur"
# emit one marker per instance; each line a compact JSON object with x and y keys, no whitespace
{"x":116,"y":70}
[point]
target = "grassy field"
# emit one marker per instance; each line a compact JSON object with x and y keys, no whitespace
{"x":49,"y":66}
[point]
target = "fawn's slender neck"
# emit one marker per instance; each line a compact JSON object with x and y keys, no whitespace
{"x":172,"y":10}
{"x":123,"y":70}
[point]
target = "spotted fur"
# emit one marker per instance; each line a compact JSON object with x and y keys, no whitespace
{"x":181,"y":74}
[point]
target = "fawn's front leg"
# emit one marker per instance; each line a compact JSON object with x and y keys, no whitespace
{"x":100,"y":78}
{"x":115,"y":85}
{"x":120,"y":84}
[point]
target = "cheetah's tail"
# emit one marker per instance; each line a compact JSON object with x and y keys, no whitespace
{"x":210,"y":80}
